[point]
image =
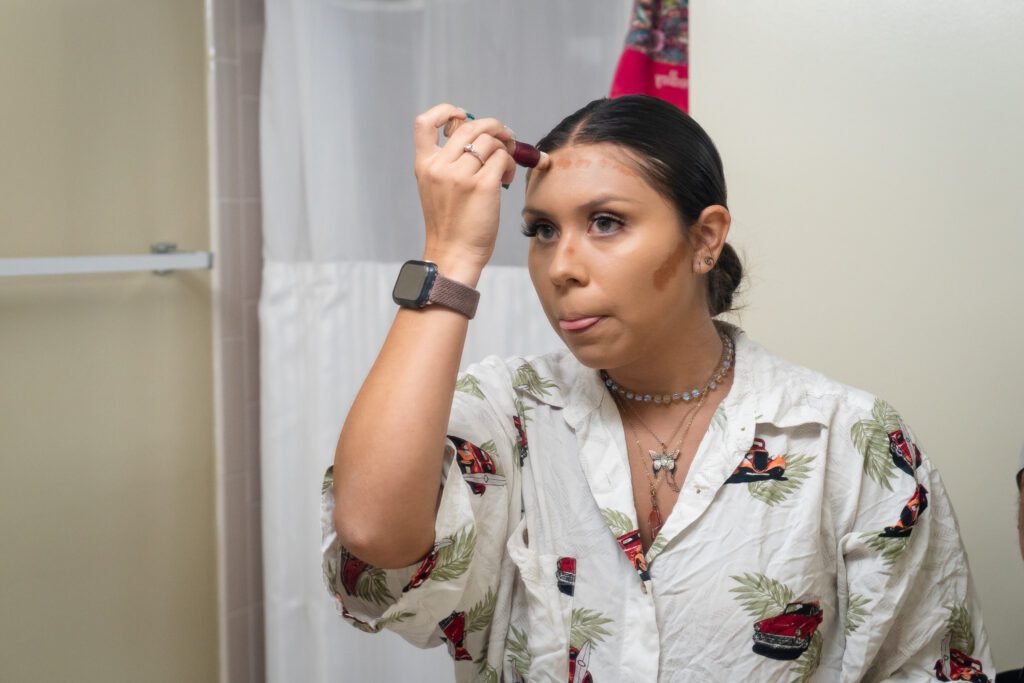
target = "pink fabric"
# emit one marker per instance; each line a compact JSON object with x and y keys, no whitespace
{"x":656,"y":57}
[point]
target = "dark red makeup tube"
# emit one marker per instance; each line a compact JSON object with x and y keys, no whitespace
{"x":525,"y":155}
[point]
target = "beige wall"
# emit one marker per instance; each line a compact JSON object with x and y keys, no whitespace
{"x":107,"y":571}
{"x":873,"y":153}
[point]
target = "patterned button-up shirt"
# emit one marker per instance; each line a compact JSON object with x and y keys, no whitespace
{"x":812,"y":540}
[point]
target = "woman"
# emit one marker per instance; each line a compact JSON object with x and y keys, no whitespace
{"x":661,"y":500}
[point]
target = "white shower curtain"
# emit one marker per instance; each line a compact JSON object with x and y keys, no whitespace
{"x":342,"y":83}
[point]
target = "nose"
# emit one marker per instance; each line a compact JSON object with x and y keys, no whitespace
{"x":567,"y":266}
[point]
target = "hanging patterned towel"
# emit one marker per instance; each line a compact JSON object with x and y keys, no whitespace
{"x":656,"y":58}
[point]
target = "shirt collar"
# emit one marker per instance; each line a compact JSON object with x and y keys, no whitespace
{"x":765,"y":386}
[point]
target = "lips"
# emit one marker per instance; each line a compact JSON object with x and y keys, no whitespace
{"x":579,"y":324}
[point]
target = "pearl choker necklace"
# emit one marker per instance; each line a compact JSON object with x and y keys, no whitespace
{"x":728,"y":352}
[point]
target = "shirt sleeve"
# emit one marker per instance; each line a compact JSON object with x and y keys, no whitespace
{"x":449,"y":596}
{"x":911,"y":612}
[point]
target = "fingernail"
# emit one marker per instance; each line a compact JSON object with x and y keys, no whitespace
{"x":510,"y":131}
{"x":468,"y":115}
{"x":506,"y":185}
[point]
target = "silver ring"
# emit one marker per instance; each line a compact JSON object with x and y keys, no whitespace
{"x":469,"y":148}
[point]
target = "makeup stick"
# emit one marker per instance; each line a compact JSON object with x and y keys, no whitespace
{"x":522,"y":153}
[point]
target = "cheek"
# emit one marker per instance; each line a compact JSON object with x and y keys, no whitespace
{"x":667,"y":271}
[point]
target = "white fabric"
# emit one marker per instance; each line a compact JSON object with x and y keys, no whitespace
{"x":845,"y":522}
{"x":342,"y":83}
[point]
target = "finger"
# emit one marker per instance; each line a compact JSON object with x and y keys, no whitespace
{"x":510,"y":171}
{"x":493,"y":171}
{"x":485,"y":146}
{"x":426,"y":124}
{"x":469,"y":131}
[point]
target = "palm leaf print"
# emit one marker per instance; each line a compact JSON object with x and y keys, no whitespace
{"x":328,"y":480}
{"x":961,"y":634}
{"x":372,"y":586}
{"x":808,"y":661}
{"x":526,"y":377}
{"x":521,"y":410}
{"x":453,"y":560}
{"x":491,"y":449}
{"x":871,"y":439}
{"x":395,"y":618}
{"x":587,"y":625}
{"x":468,"y":384}
{"x":480,"y":614}
{"x":774,"y":491}
{"x":487,"y":674}
{"x":890,"y":548}
{"x":657,"y":546}
{"x":618,"y":522}
{"x":855,"y":612}
{"x":517,"y":651}
{"x":760,"y":596}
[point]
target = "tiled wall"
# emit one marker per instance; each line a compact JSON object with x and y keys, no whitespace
{"x":234,"y":49}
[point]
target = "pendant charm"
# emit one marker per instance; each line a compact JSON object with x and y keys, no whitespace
{"x":663,"y":460}
{"x":654,"y":519}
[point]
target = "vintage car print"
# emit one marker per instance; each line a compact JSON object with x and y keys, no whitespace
{"x":477,"y":465}
{"x":524,"y":448}
{"x":427,"y":566}
{"x":634,"y":549}
{"x":579,"y":660}
{"x":908,"y":516}
{"x":454,"y":628}
{"x":960,"y":667}
{"x":565,"y":573}
{"x":758,"y":465}
{"x":788,"y":635}
{"x":900,"y":450}
{"x":350,"y":568}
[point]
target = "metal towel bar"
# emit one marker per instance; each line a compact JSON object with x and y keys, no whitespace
{"x":164,"y":259}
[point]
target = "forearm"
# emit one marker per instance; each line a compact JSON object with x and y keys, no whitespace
{"x":387,"y":464}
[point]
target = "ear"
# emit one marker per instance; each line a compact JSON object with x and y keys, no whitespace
{"x":708,"y":235}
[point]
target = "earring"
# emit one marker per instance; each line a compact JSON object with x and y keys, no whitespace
{"x":708,"y":260}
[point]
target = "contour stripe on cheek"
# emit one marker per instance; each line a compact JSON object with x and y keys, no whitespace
{"x":667,"y":270}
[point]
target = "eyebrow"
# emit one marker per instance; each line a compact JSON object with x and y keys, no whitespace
{"x":593,"y":203}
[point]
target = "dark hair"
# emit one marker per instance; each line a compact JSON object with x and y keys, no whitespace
{"x":673,"y":154}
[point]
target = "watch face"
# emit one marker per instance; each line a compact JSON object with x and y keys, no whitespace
{"x":414,"y":283}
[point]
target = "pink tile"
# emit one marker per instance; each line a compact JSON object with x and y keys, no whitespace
{"x":257,"y":644}
{"x":228,"y":264}
{"x":236,"y":543}
{"x":250,"y":44}
{"x":252,"y":446}
{"x":252,"y":249}
{"x":239,"y":651}
{"x":227,"y":136}
{"x":255,"y":548}
{"x":249,"y":183}
{"x":236,"y":457}
{"x":251,"y":351}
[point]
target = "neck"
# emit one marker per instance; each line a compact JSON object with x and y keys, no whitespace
{"x":687,"y":362}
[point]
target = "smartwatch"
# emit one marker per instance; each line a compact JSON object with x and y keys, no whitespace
{"x":419,"y":284}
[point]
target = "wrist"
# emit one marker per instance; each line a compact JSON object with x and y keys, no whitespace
{"x":454,"y":266}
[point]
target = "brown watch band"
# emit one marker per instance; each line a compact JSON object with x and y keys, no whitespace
{"x":454,"y":295}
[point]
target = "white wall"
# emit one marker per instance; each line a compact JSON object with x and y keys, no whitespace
{"x":873,"y":155}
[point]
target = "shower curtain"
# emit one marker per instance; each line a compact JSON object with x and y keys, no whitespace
{"x":342,"y":83}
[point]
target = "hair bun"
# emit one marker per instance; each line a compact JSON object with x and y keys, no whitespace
{"x":723,"y":280}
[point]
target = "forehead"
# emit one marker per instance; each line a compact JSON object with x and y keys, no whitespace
{"x":586,"y":168}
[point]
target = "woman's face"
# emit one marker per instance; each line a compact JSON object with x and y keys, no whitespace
{"x":609,"y":260}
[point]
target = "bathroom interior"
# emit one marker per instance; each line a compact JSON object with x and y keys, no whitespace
{"x":165,"y":425}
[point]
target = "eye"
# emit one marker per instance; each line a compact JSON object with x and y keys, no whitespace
{"x":606,"y":224}
{"x":542,"y":231}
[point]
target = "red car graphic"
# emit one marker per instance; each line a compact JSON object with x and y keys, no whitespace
{"x":427,"y":566}
{"x":634,"y":549}
{"x":787,"y":635}
{"x":477,"y":466}
{"x":961,"y":668}
{"x":524,"y":449}
{"x":454,"y":628}
{"x":579,"y":661}
{"x":350,"y":568}
{"x":902,"y":457}
{"x":758,"y":465}
{"x":565,"y":573}
{"x":917,"y":504}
